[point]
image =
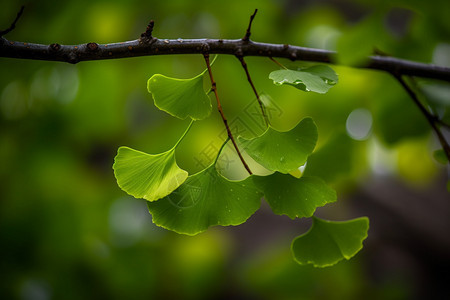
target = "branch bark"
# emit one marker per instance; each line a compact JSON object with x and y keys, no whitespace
{"x":152,"y":46}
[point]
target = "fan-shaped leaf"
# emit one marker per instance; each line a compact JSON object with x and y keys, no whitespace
{"x":283,"y":151}
{"x":206,"y":199}
{"x":295,"y":197}
{"x":328,"y":242}
{"x":147,"y":176}
{"x":180,"y":98}
{"x":317,"y":79}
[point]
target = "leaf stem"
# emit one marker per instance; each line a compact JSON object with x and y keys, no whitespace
{"x":430,"y":117}
{"x":261,"y":104}
{"x":224,"y":119}
{"x":278,"y":63}
{"x":220,"y":150}
{"x":184,"y":134}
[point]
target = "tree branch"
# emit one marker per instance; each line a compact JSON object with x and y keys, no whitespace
{"x":430,"y":118}
{"x":149,"y":47}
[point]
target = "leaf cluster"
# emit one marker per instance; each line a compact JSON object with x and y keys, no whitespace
{"x":190,"y":204}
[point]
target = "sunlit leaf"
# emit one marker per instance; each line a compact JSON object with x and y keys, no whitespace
{"x":283,"y":151}
{"x":206,"y":199}
{"x":180,"y":98}
{"x":147,"y":176}
{"x":295,"y":197}
{"x":328,"y":242}
{"x":317,"y":79}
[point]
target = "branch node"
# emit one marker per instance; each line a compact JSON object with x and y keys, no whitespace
{"x":205,"y":49}
{"x":293,"y":56}
{"x":147,"y":35}
{"x":55,"y":47}
{"x":92,"y":47}
{"x":246,"y":37}
{"x":13,"y":24}
{"x":72,"y":58}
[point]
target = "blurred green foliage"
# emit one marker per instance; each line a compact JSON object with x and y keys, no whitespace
{"x":66,"y":229}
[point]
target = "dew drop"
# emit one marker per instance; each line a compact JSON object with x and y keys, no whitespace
{"x":282,"y":159}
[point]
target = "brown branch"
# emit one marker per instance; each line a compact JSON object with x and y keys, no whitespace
{"x":147,"y":45}
{"x":430,"y":118}
{"x":224,"y":119}
{"x":13,"y":24}
{"x":77,"y":53}
{"x":249,"y":78}
{"x":246,"y":37}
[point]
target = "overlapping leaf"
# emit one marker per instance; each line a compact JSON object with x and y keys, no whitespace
{"x":317,"y":79}
{"x":206,"y":199}
{"x":180,"y":98}
{"x":283,"y":151}
{"x":328,"y":242}
{"x":147,"y":176}
{"x":295,"y":197}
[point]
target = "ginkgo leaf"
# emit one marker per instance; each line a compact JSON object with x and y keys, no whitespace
{"x":325,"y":72}
{"x":317,"y":79}
{"x":206,"y":199}
{"x":180,"y":98}
{"x":147,"y":176}
{"x":328,"y":242}
{"x":283,"y":151}
{"x":295,"y":197}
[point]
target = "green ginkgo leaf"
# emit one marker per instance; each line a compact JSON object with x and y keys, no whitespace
{"x":328,"y":242}
{"x":147,"y":176}
{"x":206,"y":199}
{"x":180,"y":98}
{"x":294,"y":197}
{"x":283,"y":151}
{"x":317,"y":79}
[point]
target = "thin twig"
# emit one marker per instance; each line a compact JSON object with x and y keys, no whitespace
{"x":278,"y":63}
{"x":148,"y":31}
{"x":13,"y":25}
{"x":246,"y":37}
{"x":224,"y":119}
{"x":434,"y":113}
{"x":430,"y":118}
{"x":261,"y":104}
